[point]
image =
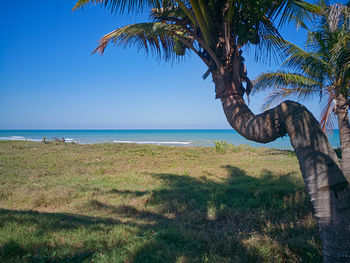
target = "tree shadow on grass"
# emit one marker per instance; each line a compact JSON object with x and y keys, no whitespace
{"x":239,"y":219}
{"x":242,"y":219}
{"x":12,"y":251}
{"x":40,"y":226}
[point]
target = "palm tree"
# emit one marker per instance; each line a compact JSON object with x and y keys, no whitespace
{"x":216,"y":31}
{"x":322,"y":69}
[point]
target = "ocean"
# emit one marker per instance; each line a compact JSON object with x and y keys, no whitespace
{"x":198,"y":137}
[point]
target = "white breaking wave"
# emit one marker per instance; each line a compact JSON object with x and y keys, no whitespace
{"x":34,"y":140}
{"x":71,"y":140}
{"x":21,"y":138}
{"x":13,"y":138}
{"x":152,"y":142}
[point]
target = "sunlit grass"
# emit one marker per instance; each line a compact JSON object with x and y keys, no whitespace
{"x":133,"y":203}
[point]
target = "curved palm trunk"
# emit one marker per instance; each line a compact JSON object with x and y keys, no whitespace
{"x":326,"y":184}
{"x":342,"y":112}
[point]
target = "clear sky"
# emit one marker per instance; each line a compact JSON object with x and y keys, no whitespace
{"x":50,"y":80}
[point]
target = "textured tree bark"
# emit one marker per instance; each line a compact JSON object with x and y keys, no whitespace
{"x":328,"y":188}
{"x":342,"y":112}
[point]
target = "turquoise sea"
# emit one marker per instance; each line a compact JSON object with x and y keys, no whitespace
{"x":159,"y":137}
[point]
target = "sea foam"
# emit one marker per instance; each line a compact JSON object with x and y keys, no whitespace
{"x":21,"y":138}
{"x":13,"y":138}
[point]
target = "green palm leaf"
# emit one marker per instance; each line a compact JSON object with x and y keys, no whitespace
{"x":285,"y":85}
{"x":290,"y":83}
{"x":120,"y":5}
{"x":297,"y":11}
{"x":341,"y":57}
{"x":308,"y":63}
{"x":159,"y":38}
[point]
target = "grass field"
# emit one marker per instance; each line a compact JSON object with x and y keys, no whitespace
{"x":133,"y":203}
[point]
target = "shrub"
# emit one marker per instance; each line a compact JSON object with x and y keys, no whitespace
{"x":223,"y":147}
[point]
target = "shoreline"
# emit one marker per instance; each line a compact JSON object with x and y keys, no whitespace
{"x":199,"y":137}
{"x":196,"y":138}
{"x":146,"y":143}
{"x":157,"y":137}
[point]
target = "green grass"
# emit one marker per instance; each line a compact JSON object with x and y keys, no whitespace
{"x":133,"y":203}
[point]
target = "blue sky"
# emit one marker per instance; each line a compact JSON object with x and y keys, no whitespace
{"x":50,"y":80}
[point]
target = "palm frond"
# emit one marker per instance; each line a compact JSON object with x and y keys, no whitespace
{"x":308,"y":63}
{"x":341,"y":48}
{"x":287,"y":83}
{"x":270,"y":45}
{"x":159,"y":38}
{"x":121,"y":6}
{"x":187,"y":11}
{"x":183,"y":6}
{"x":341,"y":58}
{"x":203,"y":20}
{"x":271,"y":41}
{"x":169,"y":14}
{"x":297,"y":11}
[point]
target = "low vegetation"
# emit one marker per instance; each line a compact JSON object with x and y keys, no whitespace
{"x":145,"y":203}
